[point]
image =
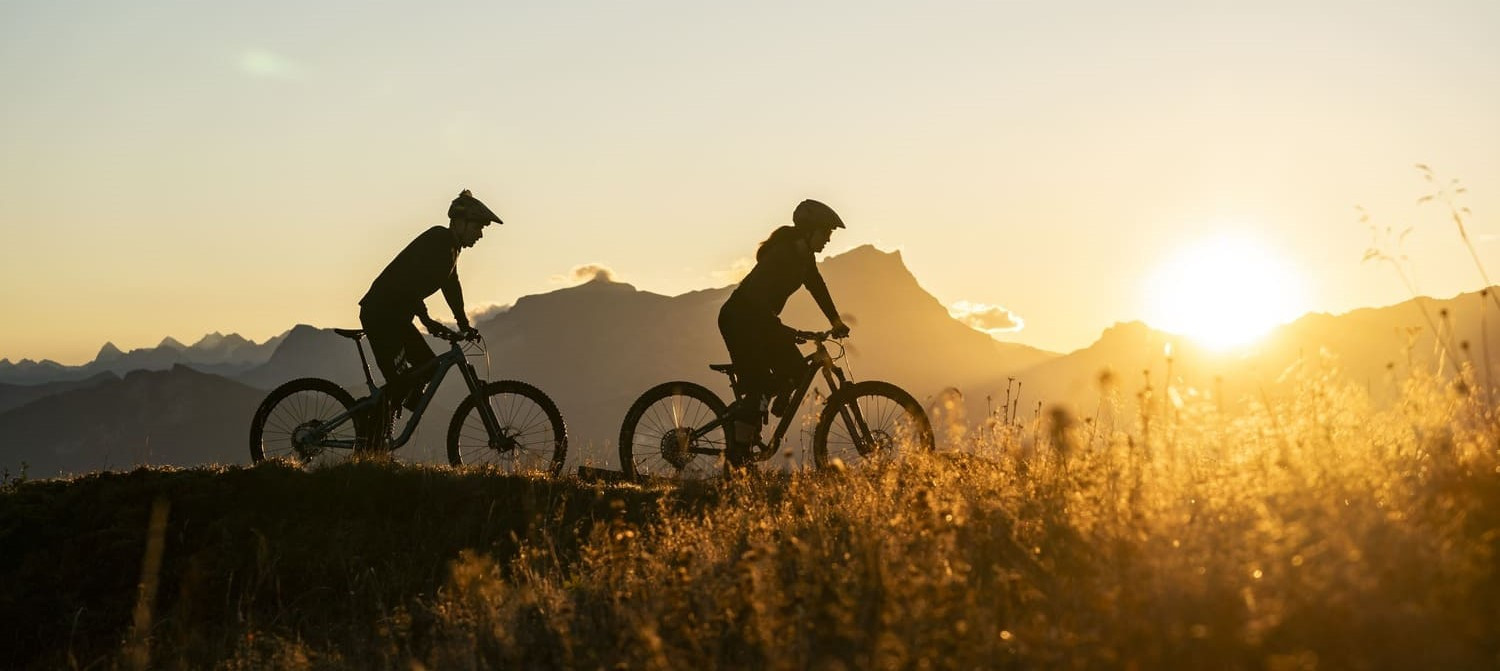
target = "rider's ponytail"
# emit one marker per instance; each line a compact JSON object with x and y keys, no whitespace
{"x":780,"y":236}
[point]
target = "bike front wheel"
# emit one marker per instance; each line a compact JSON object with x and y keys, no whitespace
{"x":290,"y":424}
{"x":657,"y":438}
{"x":867,"y":421}
{"x":532,"y":435}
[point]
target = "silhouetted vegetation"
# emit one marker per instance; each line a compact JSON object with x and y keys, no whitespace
{"x":1309,"y":530}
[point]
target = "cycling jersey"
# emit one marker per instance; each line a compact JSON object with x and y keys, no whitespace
{"x":428,"y":264}
{"x":783,"y":264}
{"x":763,"y":350}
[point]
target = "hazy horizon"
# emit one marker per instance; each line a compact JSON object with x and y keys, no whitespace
{"x":587,"y":273}
{"x":175,"y":169}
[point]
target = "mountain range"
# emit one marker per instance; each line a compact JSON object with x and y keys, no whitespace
{"x":177,"y":416}
{"x":227,"y":355}
{"x":594,"y":347}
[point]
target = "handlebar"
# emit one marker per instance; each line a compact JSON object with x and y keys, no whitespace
{"x":458,"y":337}
{"x":812,"y":336}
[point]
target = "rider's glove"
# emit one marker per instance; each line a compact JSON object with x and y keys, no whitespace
{"x":468,"y":332}
{"x":840,"y":330}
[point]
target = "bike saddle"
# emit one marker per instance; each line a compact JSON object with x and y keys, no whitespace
{"x":351,"y":333}
{"x":722,"y":367}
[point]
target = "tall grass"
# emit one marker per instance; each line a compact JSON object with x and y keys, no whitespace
{"x":1299,"y":531}
{"x":1309,"y":532}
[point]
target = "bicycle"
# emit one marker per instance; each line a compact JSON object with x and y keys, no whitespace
{"x":509,"y":424}
{"x":671,"y":427}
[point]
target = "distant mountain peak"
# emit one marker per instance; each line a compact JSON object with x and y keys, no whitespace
{"x":869,"y":256}
{"x":1135,"y":331}
{"x":868,"y":249}
{"x":108,"y":353}
{"x":210,"y":340}
{"x":172,"y":343}
{"x":606,"y":282}
{"x":217,"y":340}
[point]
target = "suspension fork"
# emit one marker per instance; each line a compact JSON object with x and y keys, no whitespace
{"x":854,"y":420}
{"x":486,"y":413}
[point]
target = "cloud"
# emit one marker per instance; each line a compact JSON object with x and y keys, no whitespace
{"x":588,"y":272}
{"x":485,"y":312}
{"x":266,"y":65}
{"x":992,"y":319}
{"x":735,"y":272}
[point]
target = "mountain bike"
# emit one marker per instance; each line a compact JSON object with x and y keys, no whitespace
{"x":680,"y":429}
{"x":508,"y":424}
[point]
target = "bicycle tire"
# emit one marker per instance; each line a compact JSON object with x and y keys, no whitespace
{"x":672,"y":411}
{"x":525,"y":413}
{"x":894,"y":417}
{"x":297,"y":404}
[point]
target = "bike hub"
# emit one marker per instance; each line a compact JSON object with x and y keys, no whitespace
{"x":304,"y":439}
{"x":676,"y":447}
{"x":879,"y":441}
{"x":504,"y":443}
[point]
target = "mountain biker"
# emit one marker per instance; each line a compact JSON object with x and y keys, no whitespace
{"x":763,"y":350}
{"x":428,"y":264}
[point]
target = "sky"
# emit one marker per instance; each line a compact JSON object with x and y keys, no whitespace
{"x":178,"y":168}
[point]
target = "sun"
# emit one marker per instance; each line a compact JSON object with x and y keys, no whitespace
{"x":1224,"y":292}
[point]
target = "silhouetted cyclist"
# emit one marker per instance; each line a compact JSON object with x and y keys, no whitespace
{"x":427,"y":265}
{"x":763,"y":350}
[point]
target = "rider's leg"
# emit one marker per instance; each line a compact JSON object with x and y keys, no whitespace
{"x":388,"y":334}
{"x":417,"y":353}
{"x":743,"y":328}
{"x":785,"y":365}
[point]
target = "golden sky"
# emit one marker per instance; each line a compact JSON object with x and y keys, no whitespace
{"x":176,"y":168}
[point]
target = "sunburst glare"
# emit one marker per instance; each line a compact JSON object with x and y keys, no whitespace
{"x":1224,"y":292}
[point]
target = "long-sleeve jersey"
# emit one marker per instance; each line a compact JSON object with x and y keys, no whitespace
{"x":783,"y":264}
{"x":427,"y":265}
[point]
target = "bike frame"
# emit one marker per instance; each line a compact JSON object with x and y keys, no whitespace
{"x":820,"y":361}
{"x":454,"y":357}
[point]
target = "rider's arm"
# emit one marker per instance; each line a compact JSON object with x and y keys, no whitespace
{"x":423,"y":316}
{"x":453,"y":292}
{"x":819,"y":290}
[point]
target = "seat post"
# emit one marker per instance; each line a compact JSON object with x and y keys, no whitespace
{"x":364,"y":364}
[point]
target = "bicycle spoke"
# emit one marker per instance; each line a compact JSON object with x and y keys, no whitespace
{"x":532,"y":439}
{"x":294,"y":407}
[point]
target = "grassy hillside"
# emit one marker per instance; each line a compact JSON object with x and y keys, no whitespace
{"x":1307,"y":532}
{"x":255,"y":555}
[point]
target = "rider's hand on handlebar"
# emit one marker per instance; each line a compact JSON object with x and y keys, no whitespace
{"x":437,"y":329}
{"x":840,"y":330}
{"x":468,"y":333}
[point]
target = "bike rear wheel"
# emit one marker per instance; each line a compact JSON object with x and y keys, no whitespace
{"x":286,"y":424}
{"x":532,"y":436}
{"x":867,"y":421}
{"x":656,"y":438}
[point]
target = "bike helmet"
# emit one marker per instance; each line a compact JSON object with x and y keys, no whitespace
{"x":466,"y":206}
{"x":813,"y":214}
